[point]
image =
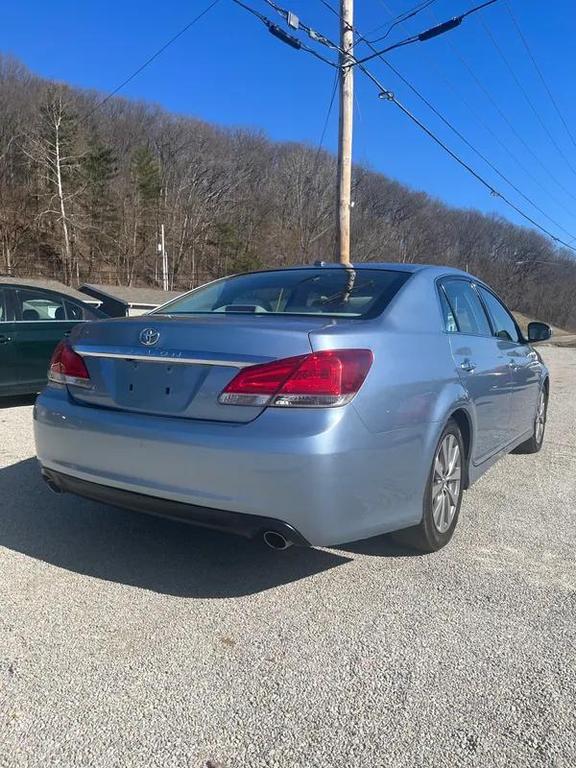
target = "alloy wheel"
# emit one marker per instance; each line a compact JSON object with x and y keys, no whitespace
{"x":446,"y":482}
{"x":540,"y":418}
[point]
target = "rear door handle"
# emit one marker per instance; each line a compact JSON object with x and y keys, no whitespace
{"x":468,"y":366}
{"x":4,"y":339}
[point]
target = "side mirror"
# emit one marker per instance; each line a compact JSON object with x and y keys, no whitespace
{"x":539,"y":332}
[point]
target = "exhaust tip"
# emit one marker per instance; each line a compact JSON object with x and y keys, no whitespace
{"x":276,"y":540}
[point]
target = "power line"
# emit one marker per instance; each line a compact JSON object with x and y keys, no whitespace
{"x":539,"y":71}
{"x":488,"y":128}
{"x":510,"y":125}
{"x":296,"y":23}
{"x":527,"y":97}
{"x":153,"y":57}
{"x":326,"y":120}
{"x":275,"y":30}
{"x":389,"y":96}
{"x":508,"y":122}
{"x":428,"y":34}
{"x":330,"y":7}
{"x":329,"y":111}
{"x":470,"y":145}
{"x":400,"y":19}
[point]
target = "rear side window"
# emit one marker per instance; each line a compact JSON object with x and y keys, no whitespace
{"x":465,"y":309}
{"x":333,"y":291}
{"x":450,"y":325}
{"x":502,"y":321}
{"x":33,"y":306}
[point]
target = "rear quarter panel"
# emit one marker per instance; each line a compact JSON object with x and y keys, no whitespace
{"x":413,"y":380}
{"x":413,"y":384}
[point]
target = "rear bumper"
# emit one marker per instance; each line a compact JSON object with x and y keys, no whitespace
{"x":320,"y":472}
{"x":250,"y":526}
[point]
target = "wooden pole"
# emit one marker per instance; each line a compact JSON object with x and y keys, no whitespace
{"x":164,"y":260}
{"x":345,"y":128}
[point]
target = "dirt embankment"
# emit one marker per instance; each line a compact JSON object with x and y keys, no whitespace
{"x":560,"y":337}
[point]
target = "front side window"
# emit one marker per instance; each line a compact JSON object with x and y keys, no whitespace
{"x":2,"y":306}
{"x":467,"y":311}
{"x":332,"y":291}
{"x":79,"y":312}
{"x":74,"y":311}
{"x":502,"y":321}
{"x":32,"y":306}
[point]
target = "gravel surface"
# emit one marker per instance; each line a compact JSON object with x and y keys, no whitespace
{"x":130,"y":641}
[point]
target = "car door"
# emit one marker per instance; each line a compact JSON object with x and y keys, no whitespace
{"x":482,"y":365}
{"x":41,"y":323}
{"x":8,"y":377}
{"x":522,"y":361}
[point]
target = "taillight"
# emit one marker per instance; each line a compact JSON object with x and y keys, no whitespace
{"x":67,"y":367}
{"x":320,"y":379}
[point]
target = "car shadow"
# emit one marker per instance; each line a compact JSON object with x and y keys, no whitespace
{"x":17,"y":402}
{"x":138,"y":550}
{"x":378,"y":546}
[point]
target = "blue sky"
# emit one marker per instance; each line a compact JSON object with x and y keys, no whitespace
{"x":229,"y":70}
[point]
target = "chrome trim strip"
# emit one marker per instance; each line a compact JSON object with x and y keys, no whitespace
{"x":48,"y":320}
{"x":167,"y":358}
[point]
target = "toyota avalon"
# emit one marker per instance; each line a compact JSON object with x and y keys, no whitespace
{"x":313,"y":405}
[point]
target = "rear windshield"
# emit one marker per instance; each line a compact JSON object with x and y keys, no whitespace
{"x":333,"y":291}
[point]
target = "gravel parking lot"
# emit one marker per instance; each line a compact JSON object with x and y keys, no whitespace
{"x":130,"y":641}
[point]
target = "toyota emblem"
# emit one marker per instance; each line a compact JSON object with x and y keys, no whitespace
{"x":149,"y":337}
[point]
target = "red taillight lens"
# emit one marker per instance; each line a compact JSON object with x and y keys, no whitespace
{"x":327,"y":378}
{"x":67,"y":367}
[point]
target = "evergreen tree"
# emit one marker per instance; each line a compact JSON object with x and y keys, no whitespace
{"x":146,"y":193}
{"x":99,"y":169}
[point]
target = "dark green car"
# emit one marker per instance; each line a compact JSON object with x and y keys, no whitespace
{"x":32,"y":322}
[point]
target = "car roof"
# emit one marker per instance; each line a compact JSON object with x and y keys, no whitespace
{"x":435,"y":270}
{"x":48,"y":286}
{"x":397,"y":266}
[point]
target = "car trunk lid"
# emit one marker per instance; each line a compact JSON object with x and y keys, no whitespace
{"x":178,"y":367}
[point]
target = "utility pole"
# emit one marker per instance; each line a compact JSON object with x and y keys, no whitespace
{"x":346,"y":65}
{"x":345,"y":128}
{"x":164,"y":259}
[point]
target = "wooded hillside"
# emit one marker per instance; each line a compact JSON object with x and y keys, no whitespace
{"x":83,"y":191}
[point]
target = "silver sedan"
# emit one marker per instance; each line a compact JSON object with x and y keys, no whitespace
{"x":313,"y":405}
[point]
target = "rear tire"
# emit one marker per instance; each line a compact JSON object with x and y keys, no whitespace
{"x":534,"y":444}
{"x":443,"y":494}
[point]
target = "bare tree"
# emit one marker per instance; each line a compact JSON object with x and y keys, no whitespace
{"x":52,"y":147}
{"x":83,"y":192}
